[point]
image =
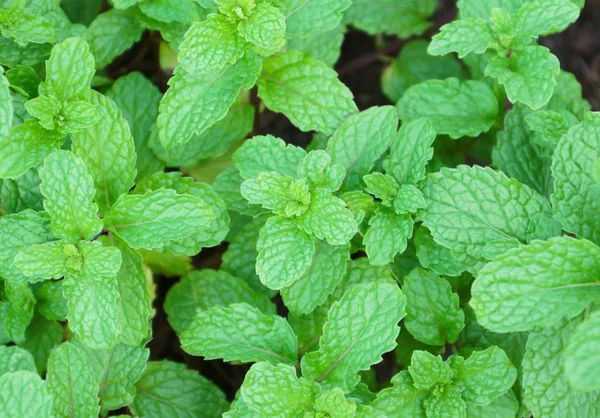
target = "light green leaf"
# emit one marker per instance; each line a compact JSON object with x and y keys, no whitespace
{"x":157,"y":217}
{"x":52,"y":260}
{"x":24,"y":27}
{"x":20,"y":312}
{"x":304,"y":17}
{"x":285,"y":252}
{"x":383,"y":186}
{"x":168,"y":389}
{"x":69,"y":192}
{"x":387,"y":236}
{"x":543,"y":17}
{"x":13,"y":359}
{"x":176,"y":11}
{"x":454,"y":107}
{"x":38,"y":402}
{"x":576,"y":192}
{"x":325,"y":273}
{"x":409,"y":199}
{"x":108,"y":152}
{"x":210,"y":45}
{"x":485,"y":376}
{"x":537,"y":284}
{"x":334,"y":404}
{"x":25,"y":147}
{"x":458,"y":221}
{"x":227,"y":185}
{"x":483,"y":9}
{"x":124,"y":4}
{"x":188,"y":107}
{"x":69,"y":71}
{"x":201,"y":290}
{"x":433,"y":313}
{"x":348,"y":344}
{"x":323,"y":46}
{"x":463,"y":36}
{"x":318,"y":171}
{"x":360,"y":140}
{"x":6,"y":107}
{"x":275,"y":390}
{"x":435,"y":257}
{"x":283,"y":195}
{"x":50,"y":300}
{"x":71,"y":382}
{"x":505,"y":406}
{"x":428,"y":370}
{"x":265,"y":29}
{"x":62,"y":118}
{"x":99,"y":261}
{"x":448,"y":405}
{"x":528,"y":75}
{"x":41,"y":336}
{"x":111,"y":33}
{"x":307,"y":91}
{"x":21,"y":193}
{"x":581,"y":355}
{"x":402,"y":399}
{"x":240,"y":332}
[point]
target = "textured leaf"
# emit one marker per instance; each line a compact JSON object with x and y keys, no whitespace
{"x":158,"y":217}
{"x":21,"y":193}
{"x":41,"y":336}
{"x":50,"y":300}
{"x":189,"y":106}
{"x":384,"y":187}
{"x":47,"y":261}
{"x":323,"y":46}
{"x":326,"y":271}
{"x":483,"y":9}
{"x":282,"y":195}
{"x":275,"y":390}
{"x":360,"y":140}
{"x":176,"y":11}
{"x":537,"y":284}
{"x":201,"y":290}
{"x":581,"y":355}
{"x":402,"y":399}
{"x":409,"y":200}
{"x":71,"y":382}
{"x":108,"y":152}
{"x":285,"y":252}
{"x":448,"y":405}
{"x":435,"y":257}
{"x":306,"y":91}
{"x":505,"y":406}
{"x":98,"y":260}
{"x":387,"y":236}
{"x":168,"y":389}
{"x":529,"y":75}
{"x":13,"y":359}
{"x":348,"y":344}
{"x":210,"y":45}
{"x":227,"y":186}
{"x":454,"y":107}
{"x":25,"y":147}
{"x":333,"y":403}
{"x":543,"y":17}
{"x":428,"y":370}
{"x":6,"y":108}
{"x":265,"y":29}
{"x":24,"y":394}
{"x":304,"y":17}
{"x":433,"y":314}
{"x":20,"y":310}
{"x":576,"y":192}
{"x":463,"y":36}
{"x":458,"y":220}
{"x":318,"y":171}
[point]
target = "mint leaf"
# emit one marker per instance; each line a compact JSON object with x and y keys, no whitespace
{"x":402,"y":399}
{"x":433,"y":314}
{"x":306,"y":91}
{"x":463,"y":36}
{"x":265,"y":29}
{"x":383,"y":186}
{"x":20,"y":312}
{"x":48,"y":261}
{"x":428,"y":370}
{"x":282,"y":195}
{"x":536,"y":284}
{"x":71,"y":382}
{"x":318,"y":171}
{"x":505,"y":406}
{"x":304,"y":17}
{"x":39,"y":400}
{"x":409,"y":199}
{"x":169,"y":389}
{"x":450,"y":106}
{"x":347,"y":345}
{"x":240,"y":332}
{"x":41,"y":337}
{"x":435,"y":257}
{"x":581,"y":355}
{"x":387,"y":236}
{"x":323,"y":46}
{"x":50,"y":300}
{"x":539,"y":17}
{"x":447,"y":405}
{"x":6,"y":108}
{"x":69,"y":202}
{"x":483,"y":9}
{"x":13,"y":359}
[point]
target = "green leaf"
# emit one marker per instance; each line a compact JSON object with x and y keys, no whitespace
{"x":348,"y":344}
{"x":307,"y":91}
{"x":402,"y":399}
{"x":6,"y":108}
{"x":325,"y":273}
{"x":485,"y":376}
{"x":318,"y":171}
{"x":457,"y":220}
{"x":383,"y":186}
{"x":201,"y":290}
{"x":21,"y":193}
{"x":505,"y":406}
{"x":116,"y":369}
{"x":282,"y":195}
{"x":387,"y":236}
{"x":409,"y":199}
{"x":168,"y":389}
{"x":227,"y":185}
{"x":304,"y":17}
{"x":93,"y":309}
{"x":14,"y":385}
{"x":360,"y":140}
{"x":69,"y":192}
{"x":50,"y":300}
{"x":551,"y":125}
{"x":69,"y":71}
{"x":20,"y":312}
{"x":435,"y":257}
{"x":274,"y":390}
{"x":99,"y":261}
{"x":24,"y":27}
{"x":240,"y":332}
{"x":108,"y":152}
{"x":403,"y":19}
{"x":52,"y":260}
{"x":13,"y":359}
{"x":575,"y":189}
{"x":17,"y":231}
{"x":210,"y":45}
{"x":333,"y":403}
{"x":528,"y":75}
{"x":546,"y":388}
{"x":428,"y":370}
{"x":323,"y":46}
{"x":285,"y":252}
{"x":188,"y":107}
{"x":267,"y":153}
{"x":111,"y":33}
{"x":265,"y":29}
{"x":463,"y":36}
{"x":537,"y":284}
{"x":41,"y":337}
{"x":581,"y":355}
{"x":410,"y":151}
{"x":433,"y":313}
{"x":447,"y":405}
{"x":25,"y":147}
{"x":157,"y":217}
{"x":454,"y":107}
{"x":175,"y":11}
{"x":483,"y":9}
{"x":71,"y":382}
{"x":544,"y":17}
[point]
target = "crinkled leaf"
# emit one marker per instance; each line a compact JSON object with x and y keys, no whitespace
{"x":265,"y":29}
{"x":52,"y":260}
{"x":304,"y":17}
{"x":267,"y":153}
{"x":463,"y":36}
{"x":387,"y":236}
{"x":37,"y":402}
{"x":581,"y":355}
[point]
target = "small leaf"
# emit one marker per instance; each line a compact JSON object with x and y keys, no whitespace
{"x":387,"y":236}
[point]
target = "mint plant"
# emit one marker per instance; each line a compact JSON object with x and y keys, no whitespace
{"x":167,"y":250}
